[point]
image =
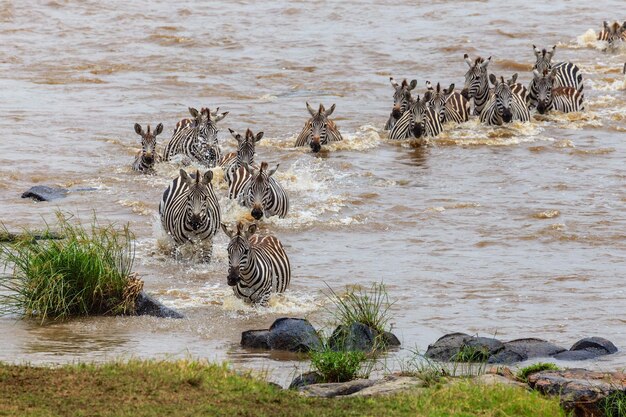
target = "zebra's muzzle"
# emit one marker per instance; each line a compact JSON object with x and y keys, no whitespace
{"x":396,"y":113}
{"x":418,"y":131}
{"x":257,"y":213}
{"x":233,"y":277}
{"x":148,"y":159}
{"x":316,"y":147}
{"x":541,"y":107}
{"x":195,"y":222}
{"x":507,"y":116}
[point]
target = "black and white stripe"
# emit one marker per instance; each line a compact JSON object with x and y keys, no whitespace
{"x":402,"y":100}
{"x":476,"y":83}
{"x":449,"y":105}
{"x":189,"y":209}
{"x":259,"y":191}
{"x":567,"y":74}
{"x":319,"y":129}
{"x":145,"y":159}
{"x":196,"y":138}
{"x":420,"y":120}
{"x":246,"y":149}
{"x":614,"y":34}
{"x":257,"y":265}
{"x":504,"y":105}
{"x":549,"y":97}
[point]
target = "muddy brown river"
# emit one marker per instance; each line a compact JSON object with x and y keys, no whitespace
{"x":513,"y":231}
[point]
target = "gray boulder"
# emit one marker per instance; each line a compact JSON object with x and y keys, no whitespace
{"x":45,"y":193}
{"x":294,"y":335}
{"x":448,"y":347}
{"x":587,"y":348}
{"x":146,"y":305}
{"x":255,"y":339}
{"x":308,"y":378}
{"x":359,"y":336}
{"x":523,"y":349}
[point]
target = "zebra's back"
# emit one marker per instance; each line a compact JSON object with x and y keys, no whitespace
{"x":567,"y":99}
{"x":457,"y":108}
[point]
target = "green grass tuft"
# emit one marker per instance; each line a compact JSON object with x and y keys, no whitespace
{"x":337,"y":366}
{"x":86,"y":272}
{"x":614,"y":405}
{"x":525,"y":372}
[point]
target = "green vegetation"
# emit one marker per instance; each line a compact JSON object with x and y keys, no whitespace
{"x":184,"y":388}
{"x":338,"y":366}
{"x":86,"y":272}
{"x":614,"y":405}
{"x":525,"y":372}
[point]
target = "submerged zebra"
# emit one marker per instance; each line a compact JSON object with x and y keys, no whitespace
{"x":419,"y":121}
{"x":244,"y":155}
{"x":259,"y":191}
{"x":549,"y":97}
{"x":147,"y":156}
{"x":196,"y":138}
{"x":504,"y":104}
{"x":476,"y":83}
{"x":257,"y":265}
{"x":319,"y":129}
{"x":402,"y":100}
{"x":614,"y":34}
{"x":566,"y":75}
{"x":190,"y":211}
{"x":450,"y":106}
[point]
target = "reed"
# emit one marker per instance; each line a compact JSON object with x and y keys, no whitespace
{"x":526,"y":371}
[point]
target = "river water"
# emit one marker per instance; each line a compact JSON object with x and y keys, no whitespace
{"x":516,"y":231}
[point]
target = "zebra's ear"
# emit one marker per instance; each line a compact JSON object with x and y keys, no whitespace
{"x":536,"y":74}
{"x":310,"y":109}
{"x":552,"y":51}
{"x":467,"y":60}
{"x":450,"y":89}
{"x":193,"y":112}
{"x":513,"y":79}
{"x":208,"y":176}
{"x":220,"y":116}
{"x":158,"y":129}
{"x":258,"y":137}
{"x":185,"y":177}
{"x":226,"y":231}
{"x":251,"y":229}
{"x":235,"y":134}
{"x":138,"y":128}
{"x":272,"y":171}
{"x":429,"y":86}
{"x":394,"y":83}
{"x":330,"y":111}
{"x":605,"y":25}
{"x":493,"y":79}
{"x":536,"y":51}
{"x":413,"y":84}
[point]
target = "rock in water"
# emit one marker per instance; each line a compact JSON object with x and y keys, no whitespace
{"x":522,"y":349}
{"x":294,"y":335}
{"x":45,"y":193}
{"x":149,"y":306}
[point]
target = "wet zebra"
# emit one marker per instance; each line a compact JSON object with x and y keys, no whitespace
{"x":147,"y":156}
{"x":614,"y":34}
{"x":549,"y":97}
{"x":567,"y":74}
{"x":245,"y":153}
{"x":420,"y":120}
{"x":319,"y":129}
{"x":257,"y":265}
{"x":504,"y":105}
{"x":196,"y":138}
{"x":259,"y":191}
{"x":401,"y":101}
{"x":450,"y":106}
{"x":476,"y":83}
{"x":190,"y":211}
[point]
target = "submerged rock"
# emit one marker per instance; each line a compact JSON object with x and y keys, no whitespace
{"x":255,"y":339}
{"x":587,"y":348}
{"x":294,"y":335}
{"x":45,"y":193}
{"x":449,"y":347}
{"x":308,"y":378}
{"x":523,"y":349}
{"x":359,"y":336}
{"x":147,"y":305}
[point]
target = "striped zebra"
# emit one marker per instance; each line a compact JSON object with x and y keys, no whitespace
{"x":401,"y":101}
{"x":319,"y":129}
{"x":450,"y":106}
{"x":257,"y":265}
{"x":519,"y":89}
{"x":567,"y":74}
{"x":259,"y":191}
{"x":196,"y":138}
{"x":614,"y":34}
{"x":245,"y":153}
{"x":420,"y":120}
{"x":190,"y":211}
{"x":504,"y":106}
{"x":147,"y":156}
{"x":549,"y":97}
{"x":476,"y":83}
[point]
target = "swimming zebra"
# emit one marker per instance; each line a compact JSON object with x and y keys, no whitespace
{"x":196,"y":138}
{"x":147,"y":156}
{"x":319,"y":129}
{"x":401,"y":101}
{"x":504,"y":105}
{"x":419,"y":121}
{"x":450,"y":106}
{"x":613,"y":34}
{"x":476,"y":83}
{"x":567,"y":74}
{"x":259,"y":191}
{"x":564,"y":99}
{"x":244,"y":154}
{"x":190,"y":211}
{"x":257,"y":265}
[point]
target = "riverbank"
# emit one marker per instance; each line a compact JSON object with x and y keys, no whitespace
{"x":188,"y":388}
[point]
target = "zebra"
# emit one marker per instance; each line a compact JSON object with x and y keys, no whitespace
{"x":504,"y":106}
{"x":196,"y":138}
{"x":257,"y":265}
{"x":450,"y":106}
{"x":420,"y":120}
{"x":244,"y":154}
{"x":147,"y":156}
{"x":318,"y":130}
{"x":476,"y":83}
{"x":564,"y":99}
{"x":259,"y":191}
{"x":613,"y":34}
{"x":567,"y":74}
{"x":401,"y":101}
{"x":190,"y":211}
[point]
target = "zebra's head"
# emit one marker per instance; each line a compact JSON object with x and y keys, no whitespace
{"x":544,"y":59}
{"x":246,"y":145}
{"x":401,"y":97}
{"x":615,"y":33}
{"x":259,"y":192}
{"x":206,"y":123}
{"x":419,"y":111}
{"x":476,"y":77}
{"x":503,"y":96}
{"x":238,"y":250}
{"x":544,"y":83}
{"x":148,"y":143}
{"x":199,"y":191}
{"x":319,"y":125}
{"x":438,"y":98}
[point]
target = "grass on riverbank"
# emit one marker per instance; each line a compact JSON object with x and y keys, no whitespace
{"x":188,"y":388}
